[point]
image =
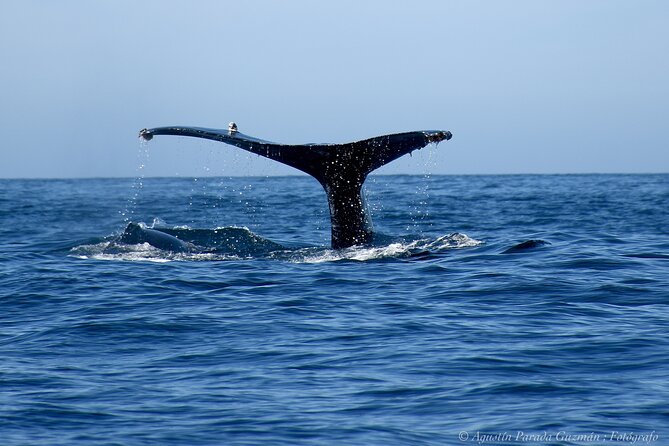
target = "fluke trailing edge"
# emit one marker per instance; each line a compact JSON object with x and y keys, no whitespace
{"x":340,"y":168}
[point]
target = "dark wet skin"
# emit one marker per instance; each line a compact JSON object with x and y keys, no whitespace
{"x":340,"y":168}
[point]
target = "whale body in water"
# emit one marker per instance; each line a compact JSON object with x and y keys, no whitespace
{"x":136,"y":234}
{"x":340,"y":168}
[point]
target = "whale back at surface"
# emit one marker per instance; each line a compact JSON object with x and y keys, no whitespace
{"x":136,"y":234}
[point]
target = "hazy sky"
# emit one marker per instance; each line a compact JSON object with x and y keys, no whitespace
{"x":525,"y":86}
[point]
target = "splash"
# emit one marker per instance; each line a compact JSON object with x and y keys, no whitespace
{"x":230,"y":243}
{"x":419,"y":213}
{"x":143,"y":155}
{"x":241,"y":244}
{"x":399,"y":249}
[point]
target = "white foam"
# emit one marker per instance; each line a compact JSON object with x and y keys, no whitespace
{"x":111,"y":251}
{"x":143,"y":252}
{"x":393,"y":250}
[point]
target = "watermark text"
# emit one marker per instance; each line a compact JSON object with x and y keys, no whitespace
{"x":542,"y":437}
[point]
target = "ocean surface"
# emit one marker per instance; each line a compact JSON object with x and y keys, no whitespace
{"x":513,"y":309}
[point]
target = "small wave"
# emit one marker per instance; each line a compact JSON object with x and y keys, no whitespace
{"x":455,"y":240}
{"x":648,"y":255}
{"x":526,"y":246}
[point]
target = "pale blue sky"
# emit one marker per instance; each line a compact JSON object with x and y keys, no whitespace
{"x":525,"y":86}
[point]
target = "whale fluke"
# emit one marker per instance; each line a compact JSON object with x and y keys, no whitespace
{"x":340,"y":168}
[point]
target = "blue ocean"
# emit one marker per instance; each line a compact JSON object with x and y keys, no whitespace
{"x":513,"y":309}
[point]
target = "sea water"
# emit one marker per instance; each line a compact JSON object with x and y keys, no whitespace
{"x":513,"y":309}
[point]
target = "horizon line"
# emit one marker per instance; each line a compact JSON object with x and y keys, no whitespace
{"x":299,"y":175}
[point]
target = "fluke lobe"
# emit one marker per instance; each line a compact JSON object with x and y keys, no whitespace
{"x":340,"y":168}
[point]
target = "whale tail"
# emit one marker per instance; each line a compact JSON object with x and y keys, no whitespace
{"x":340,"y":168}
